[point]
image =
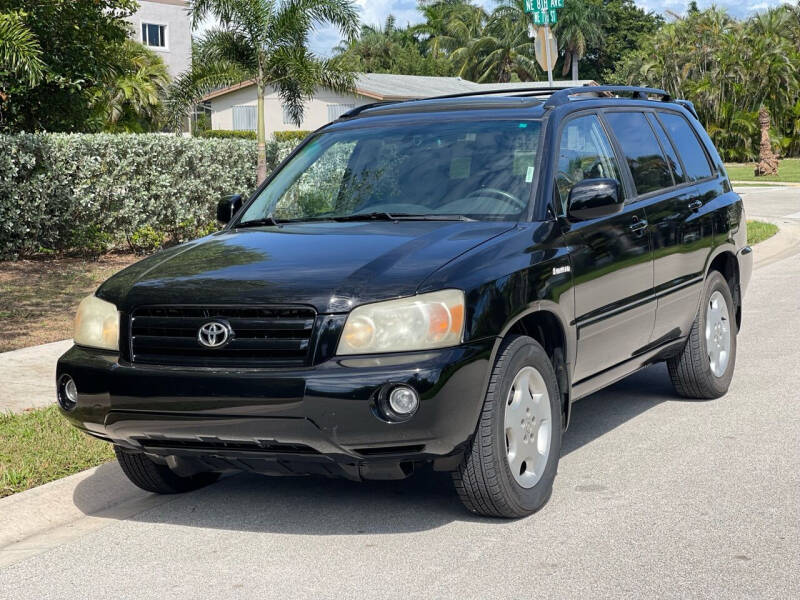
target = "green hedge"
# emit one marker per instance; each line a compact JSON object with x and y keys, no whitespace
{"x":90,"y":193}
{"x":290,"y":136}
{"x":227,"y":134}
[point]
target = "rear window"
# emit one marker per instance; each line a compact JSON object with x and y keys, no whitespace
{"x":648,"y":166}
{"x":692,"y":153}
{"x":669,"y":150}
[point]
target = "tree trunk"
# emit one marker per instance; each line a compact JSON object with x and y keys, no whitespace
{"x":261,"y":170}
{"x":767,"y":161}
{"x":574,"y":66}
{"x":567,"y":61}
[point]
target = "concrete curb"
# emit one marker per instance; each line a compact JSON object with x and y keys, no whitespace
{"x":766,"y":183}
{"x":783,"y":244}
{"x":49,"y":515}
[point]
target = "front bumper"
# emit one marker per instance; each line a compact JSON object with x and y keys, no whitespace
{"x":320,"y":419}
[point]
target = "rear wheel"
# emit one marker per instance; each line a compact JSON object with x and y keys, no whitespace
{"x":512,"y":462}
{"x":705,"y":367}
{"x":157,"y":478}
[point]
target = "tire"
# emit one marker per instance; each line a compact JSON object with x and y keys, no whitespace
{"x":484,"y":480}
{"x":693,"y":371}
{"x":159,"y":479}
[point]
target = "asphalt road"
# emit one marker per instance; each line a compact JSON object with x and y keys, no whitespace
{"x":655,"y":496}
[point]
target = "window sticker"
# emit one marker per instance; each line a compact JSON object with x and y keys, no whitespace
{"x":522,"y":160}
{"x":529,"y":175}
{"x":459,"y":167}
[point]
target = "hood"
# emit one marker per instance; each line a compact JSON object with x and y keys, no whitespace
{"x":331,"y":266}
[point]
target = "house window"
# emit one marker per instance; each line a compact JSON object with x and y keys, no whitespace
{"x":287,"y":117}
{"x":337,"y":110}
{"x":154,"y":35}
{"x":244,"y":118}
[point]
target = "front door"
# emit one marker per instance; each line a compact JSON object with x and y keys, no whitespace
{"x":611,"y":257}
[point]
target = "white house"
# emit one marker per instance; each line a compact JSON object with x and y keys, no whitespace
{"x":165,"y":27}
{"x":235,"y":107}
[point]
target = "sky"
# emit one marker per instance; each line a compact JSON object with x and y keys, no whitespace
{"x":374,"y":12}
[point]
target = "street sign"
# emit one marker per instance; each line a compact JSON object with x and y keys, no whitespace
{"x":532,"y":6}
{"x":542,"y":55}
{"x":549,"y":17}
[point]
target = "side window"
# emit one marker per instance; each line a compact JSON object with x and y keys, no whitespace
{"x":692,"y":153}
{"x":669,"y":150}
{"x":648,"y":166}
{"x":584,"y":152}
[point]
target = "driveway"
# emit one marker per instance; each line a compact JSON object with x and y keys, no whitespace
{"x":655,"y":496}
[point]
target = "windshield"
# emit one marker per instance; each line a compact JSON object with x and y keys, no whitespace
{"x":477,"y":170}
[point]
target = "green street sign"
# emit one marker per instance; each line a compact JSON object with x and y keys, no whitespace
{"x":549,"y":17}
{"x":534,"y":6}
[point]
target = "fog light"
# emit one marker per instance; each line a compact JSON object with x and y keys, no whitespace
{"x":67,"y":392}
{"x":403,"y":401}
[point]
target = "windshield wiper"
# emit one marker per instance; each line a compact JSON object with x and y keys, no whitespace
{"x":386,"y":216}
{"x":268,"y":220}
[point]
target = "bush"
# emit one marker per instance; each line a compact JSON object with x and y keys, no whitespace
{"x":146,"y":240}
{"x":62,"y":192}
{"x":94,"y":192}
{"x":227,"y":134}
{"x":290,"y":136}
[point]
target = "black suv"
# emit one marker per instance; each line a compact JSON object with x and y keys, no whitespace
{"x":428,"y":282}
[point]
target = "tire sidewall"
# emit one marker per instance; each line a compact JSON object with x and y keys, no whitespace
{"x":717,"y":283}
{"x":523,"y":352}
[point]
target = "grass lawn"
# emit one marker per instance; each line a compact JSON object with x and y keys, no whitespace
{"x":788,"y":171}
{"x":39,"y":446}
{"x":758,"y":231}
{"x":38,"y":298}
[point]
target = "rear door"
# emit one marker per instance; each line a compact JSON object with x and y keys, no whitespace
{"x":611,"y":257}
{"x":682,"y":228}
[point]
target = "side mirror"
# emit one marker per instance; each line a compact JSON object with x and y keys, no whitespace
{"x":227,"y":207}
{"x":593,"y":198}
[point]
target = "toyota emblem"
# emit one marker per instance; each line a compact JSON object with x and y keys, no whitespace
{"x":215,"y":334}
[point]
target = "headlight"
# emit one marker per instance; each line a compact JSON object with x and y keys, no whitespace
{"x":97,"y":324}
{"x":434,"y":320}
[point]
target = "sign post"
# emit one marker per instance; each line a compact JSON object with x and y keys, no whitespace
{"x":547,"y":52}
{"x":543,"y":12}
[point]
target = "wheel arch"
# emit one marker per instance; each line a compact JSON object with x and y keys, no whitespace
{"x":727,"y":265}
{"x":544,"y":323}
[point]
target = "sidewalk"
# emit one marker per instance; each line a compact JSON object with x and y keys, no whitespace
{"x":28,"y":376}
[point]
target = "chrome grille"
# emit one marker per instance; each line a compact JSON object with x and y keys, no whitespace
{"x":262,"y":336}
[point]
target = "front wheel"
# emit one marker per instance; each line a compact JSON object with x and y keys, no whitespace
{"x":511,"y":464}
{"x":705,"y":367}
{"x":157,"y":478}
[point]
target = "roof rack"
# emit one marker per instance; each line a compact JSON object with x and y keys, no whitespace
{"x":359,"y":109}
{"x":639,"y":93}
{"x":557,"y":96}
{"x":517,"y":92}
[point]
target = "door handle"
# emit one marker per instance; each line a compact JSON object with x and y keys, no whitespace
{"x":695,"y":205}
{"x":638,"y":224}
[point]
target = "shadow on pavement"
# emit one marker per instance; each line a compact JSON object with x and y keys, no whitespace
{"x":319,"y":506}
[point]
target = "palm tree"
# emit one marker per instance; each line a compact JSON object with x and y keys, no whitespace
{"x":265,"y":41}
{"x":579,"y":26}
{"x":507,"y":50}
{"x":19,"y":50}
{"x":376,"y":48}
{"x":132,"y":99}
{"x":502,"y":48}
{"x":448,"y":24}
